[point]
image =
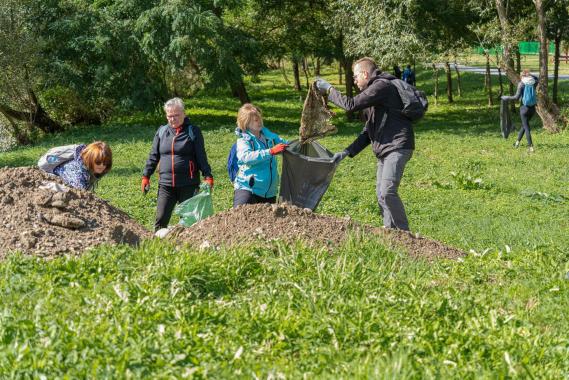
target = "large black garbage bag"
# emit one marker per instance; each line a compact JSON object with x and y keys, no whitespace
{"x":506,"y":125}
{"x":307,"y":172}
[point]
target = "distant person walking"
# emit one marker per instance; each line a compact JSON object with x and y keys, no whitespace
{"x":178,"y":151}
{"x":409,"y":75}
{"x":397,"y":71}
{"x":527,"y":94}
{"x":389,"y":133}
{"x":257,"y":176}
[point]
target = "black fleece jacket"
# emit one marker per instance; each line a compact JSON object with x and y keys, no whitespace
{"x":375,"y":100}
{"x":179,"y":156}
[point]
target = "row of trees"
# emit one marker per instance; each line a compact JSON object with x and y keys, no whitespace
{"x":71,"y":61}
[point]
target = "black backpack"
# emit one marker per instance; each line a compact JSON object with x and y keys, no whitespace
{"x":415,"y":102}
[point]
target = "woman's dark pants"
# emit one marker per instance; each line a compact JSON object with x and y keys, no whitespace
{"x":526,"y":113}
{"x":167,"y":198}
{"x":245,"y":197}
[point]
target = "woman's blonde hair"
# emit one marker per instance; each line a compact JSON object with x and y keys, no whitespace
{"x":246,"y":114}
{"x":97,"y":153}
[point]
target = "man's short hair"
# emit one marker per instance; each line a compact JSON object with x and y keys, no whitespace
{"x":174,"y":103}
{"x":366,"y":64}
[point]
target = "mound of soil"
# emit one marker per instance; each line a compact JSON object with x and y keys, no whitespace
{"x":36,"y":218}
{"x":259,"y":224}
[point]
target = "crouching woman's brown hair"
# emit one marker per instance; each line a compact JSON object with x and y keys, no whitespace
{"x":97,"y":153}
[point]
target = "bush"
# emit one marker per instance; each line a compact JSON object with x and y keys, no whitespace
{"x":65,"y":105}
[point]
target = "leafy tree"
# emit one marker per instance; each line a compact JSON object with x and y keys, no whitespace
{"x":558,"y":30}
{"x":295,"y":41}
{"x":19,"y":75}
{"x":549,"y":113}
{"x":396,"y":31}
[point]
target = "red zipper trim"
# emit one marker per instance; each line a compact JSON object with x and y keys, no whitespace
{"x":172,"y":154}
{"x":192,"y":167}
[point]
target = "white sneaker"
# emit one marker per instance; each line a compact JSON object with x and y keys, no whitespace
{"x":162,"y":233}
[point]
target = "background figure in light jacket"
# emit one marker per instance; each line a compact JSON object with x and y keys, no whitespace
{"x":528,"y":83}
{"x":257,"y":177}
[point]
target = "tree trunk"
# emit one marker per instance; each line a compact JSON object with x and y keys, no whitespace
{"x":240,"y":92}
{"x":35,"y":116}
{"x":548,"y":111}
{"x":499,"y":74}
{"x":283,"y":70}
{"x":306,"y":66}
{"x":488,"y":79}
{"x":305,"y":70}
{"x":512,"y":104}
{"x":556,"y":65}
{"x":436,"y":75}
{"x":317,"y":69}
{"x":21,"y":136}
{"x":500,"y":81}
{"x":507,"y":62}
{"x":458,"y":83}
{"x":449,"y":82}
{"x":340,"y":71}
{"x":296,"y":72}
{"x":518,"y":60}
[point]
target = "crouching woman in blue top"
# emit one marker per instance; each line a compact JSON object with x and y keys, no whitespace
{"x":257,"y":177}
{"x":89,"y":164}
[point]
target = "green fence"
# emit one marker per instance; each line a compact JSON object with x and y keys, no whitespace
{"x":526,"y":48}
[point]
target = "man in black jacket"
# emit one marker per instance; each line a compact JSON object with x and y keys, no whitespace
{"x":178,"y":148}
{"x":389,"y":133}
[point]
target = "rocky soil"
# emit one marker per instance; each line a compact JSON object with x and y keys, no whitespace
{"x":259,"y":224}
{"x":40,"y":215}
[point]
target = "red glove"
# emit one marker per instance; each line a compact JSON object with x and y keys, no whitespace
{"x":145,"y":185}
{"x":209,"y":181}
{"x":279,"y":148}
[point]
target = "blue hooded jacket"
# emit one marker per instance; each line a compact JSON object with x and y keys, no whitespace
{"x":257,"y":167}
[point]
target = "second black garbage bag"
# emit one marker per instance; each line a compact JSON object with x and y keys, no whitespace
{"x":306,"y":174}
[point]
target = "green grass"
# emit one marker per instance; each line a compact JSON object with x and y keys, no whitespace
{"x":363,"y":311}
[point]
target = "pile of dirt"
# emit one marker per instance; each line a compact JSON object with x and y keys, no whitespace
{"x":259,"y":224}
{"x":40,"y":215}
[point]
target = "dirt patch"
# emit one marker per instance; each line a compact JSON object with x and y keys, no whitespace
{"x":36,"y":218}
{"x":261,"y":223}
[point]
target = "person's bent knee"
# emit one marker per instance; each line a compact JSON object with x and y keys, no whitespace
{"x":242,"y":197}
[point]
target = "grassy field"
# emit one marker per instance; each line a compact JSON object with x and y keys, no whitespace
{"x":292,"y":312}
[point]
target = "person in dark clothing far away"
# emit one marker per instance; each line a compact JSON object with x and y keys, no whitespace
{"x":409,"y":75}
{"x":397,"y":71}
{"x":386,"y":129}
{"x":179,"y":152}
{"x":527,"y":95}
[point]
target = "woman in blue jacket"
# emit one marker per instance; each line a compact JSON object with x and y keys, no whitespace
{"x":257,"y":177}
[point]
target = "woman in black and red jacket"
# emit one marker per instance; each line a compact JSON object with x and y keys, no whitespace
{"x":179,"y":149}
